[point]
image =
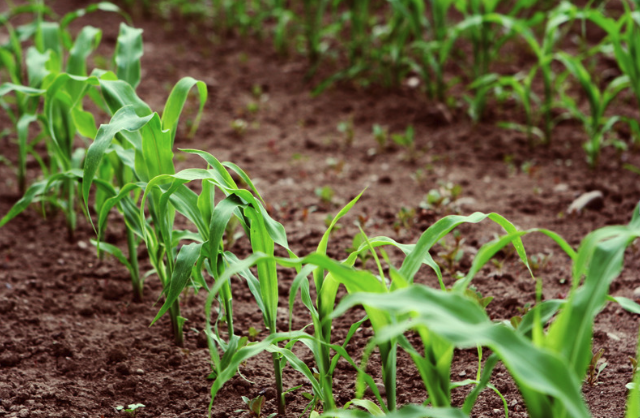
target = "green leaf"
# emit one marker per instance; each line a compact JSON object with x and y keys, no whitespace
{"x":128,"y":54}
{"x":175,"y":104}
{"x":124,"y":120}
{"x":187,"y":257}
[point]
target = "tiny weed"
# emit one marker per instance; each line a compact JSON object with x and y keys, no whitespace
{"x":325,"y":194}
{"x":131,"y":410}
{"x":255,"y":406}
{"x":474,"y":294}
{"x":347,"y":130}
{"x":406,"y":140}
{"x":253,"y":334}
{"x":405,"y":218}
{"x":452,"y":253}
{"x":239,"y":127}
{"x":538,"y":262}
{"x":253,"y":107}
{"x":595,"y":367}
{"x":442,"y":198}
{"x":381,"y":135}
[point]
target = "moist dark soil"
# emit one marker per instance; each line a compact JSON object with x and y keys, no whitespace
{"x":74,"y":344}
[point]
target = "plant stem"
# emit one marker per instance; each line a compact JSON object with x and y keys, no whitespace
{"x":133,"y":261}
{"x":279,"y":390}
{"x":71,"y":215}
{"x":548,"y":94}
{"x":176,"y":323}
{"x":389,"y":373}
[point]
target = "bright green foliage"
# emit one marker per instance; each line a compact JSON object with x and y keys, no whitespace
{"x":63,"y":88}
{"x":146,"y":144}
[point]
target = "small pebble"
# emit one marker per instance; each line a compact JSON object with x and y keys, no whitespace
{"x":139,"y":371}
{"x":561,"y":188}
{"x":613,"y":336}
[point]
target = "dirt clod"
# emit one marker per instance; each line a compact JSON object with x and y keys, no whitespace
{"x":117,"y":354}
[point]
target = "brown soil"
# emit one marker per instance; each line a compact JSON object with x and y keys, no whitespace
{"x":73,"y":345}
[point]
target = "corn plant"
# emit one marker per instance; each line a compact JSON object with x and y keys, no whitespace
{"x":282,"y":31}
{"x":211,"y":222}
{"x":313,"y":15}
{"x":567,"y":344}
{"x":356,"y":281}
{"x":520,"y":88}
{"x":409,"y":20}
{"x":26,"y":92}
{"x":63,"y":88}
{"x":623,"y":37}
{"x":595,"y":123}
{"x":145,"y":148}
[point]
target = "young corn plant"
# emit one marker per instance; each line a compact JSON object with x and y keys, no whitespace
{"x":624,"y":38}
{"x":63,"y":87}
{"x":519,"y":87}
{"x":359,"y":281}
{"x":313,"y":30}
{"x":410,"y":20}
{"x":544,"y":51}
{"x":450,"y":319}
{"x":208,"y":251}
{"x":144,"y":145}
{"x":532,"y":357}
{"x":596,"y":124}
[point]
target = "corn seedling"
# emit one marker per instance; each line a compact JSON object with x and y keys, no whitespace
{"x":519,"y":87}
{"x":546,"y":394}
{"x":409,"y":20}
{"x":145,"y":144}
{"x":63,"y":85}
{"x":313,"y":16}
{"x":624,"y":37}
{"x":595,"y":123}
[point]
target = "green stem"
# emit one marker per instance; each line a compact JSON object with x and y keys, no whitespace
{"x":547,"y":104}
{"x":279,"y":390}
{"x":164,"y":273}
{"x":133,"y":261}
{"x":176,"y":323}
{"x":389,"y":374}
{"x":71,"y":214}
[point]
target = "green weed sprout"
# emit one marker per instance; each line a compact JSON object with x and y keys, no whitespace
{"x":381,"y":135}
{"x":407,"y":141}
{"x":255,"y":406}
{"x":131,"y":410}
{"x":347,"y":130}
{"x":325,"y":194}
